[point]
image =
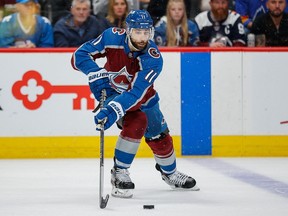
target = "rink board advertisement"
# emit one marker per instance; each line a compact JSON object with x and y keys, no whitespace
{"x":219,"y":103}
{"x":47,"y":107}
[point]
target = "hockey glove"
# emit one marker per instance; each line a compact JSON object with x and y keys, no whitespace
{"x":109,"y":115}
{"x":99,"y":80}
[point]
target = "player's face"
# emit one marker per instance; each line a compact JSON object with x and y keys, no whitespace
{"x":140,"y":37}
{"x":276,"y":7}
{"x":119,"y":8}
{"x":176,"y":12}
{"x":219,"y":9}
{"x":80,"y":12}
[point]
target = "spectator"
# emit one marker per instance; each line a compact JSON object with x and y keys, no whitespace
{"x":79,"y":26}
{"x":55,"y":9}
{"x":117,"y":12}
{"x":273,"y":25}
{"x":249,"y":10}
{"x":220,"y":27}
{"x":7,"y":7}
{"x":175,"y":29}
{"x":26,"y":28}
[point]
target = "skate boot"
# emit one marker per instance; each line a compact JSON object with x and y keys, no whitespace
{"x":178,"y":180}
{"x":121,"y":183}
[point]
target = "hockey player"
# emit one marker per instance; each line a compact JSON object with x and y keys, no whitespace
{"x":133,"y":64}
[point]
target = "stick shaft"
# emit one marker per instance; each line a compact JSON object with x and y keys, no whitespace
{"x":101,"y":180}
{"x":102,"y":201}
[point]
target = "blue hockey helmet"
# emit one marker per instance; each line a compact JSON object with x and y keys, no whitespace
{"x":139,"y":19}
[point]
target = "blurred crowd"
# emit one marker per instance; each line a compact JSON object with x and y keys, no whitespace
{"x":214,"y":23}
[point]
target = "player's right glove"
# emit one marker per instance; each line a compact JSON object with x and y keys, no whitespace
{"x":99,"y":80}
{"x":108,"y":115}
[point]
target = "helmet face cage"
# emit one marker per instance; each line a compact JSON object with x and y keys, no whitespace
{"x":139,"y":19}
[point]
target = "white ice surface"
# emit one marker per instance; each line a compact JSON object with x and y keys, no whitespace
{"x":70,"y":187}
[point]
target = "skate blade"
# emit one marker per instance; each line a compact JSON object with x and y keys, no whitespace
{"x":195,"y":188}
{"x":121,"y":193}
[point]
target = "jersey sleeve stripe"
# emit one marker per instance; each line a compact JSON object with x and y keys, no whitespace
{"x":149,"y":77}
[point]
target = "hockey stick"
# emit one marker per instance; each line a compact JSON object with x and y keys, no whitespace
{"x":102,"y":201}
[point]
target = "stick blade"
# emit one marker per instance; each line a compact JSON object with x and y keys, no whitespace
{"x":103,"y":202}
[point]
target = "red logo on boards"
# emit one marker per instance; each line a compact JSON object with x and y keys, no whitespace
{"x":43,"y":90}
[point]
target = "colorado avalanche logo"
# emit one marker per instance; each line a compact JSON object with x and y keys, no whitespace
{"x":118,"y":31}
{"x":154,"y":52}
{"x":121,"y":80}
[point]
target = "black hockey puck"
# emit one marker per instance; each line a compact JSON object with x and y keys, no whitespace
{"x":148,"y":206}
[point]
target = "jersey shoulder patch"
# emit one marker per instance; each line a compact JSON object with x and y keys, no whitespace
{"x":153,"y":52}
{"x":119,"y":31}
{"x":114,"y":37}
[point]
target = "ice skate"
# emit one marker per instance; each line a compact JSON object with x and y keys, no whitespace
{"x":179,"y":180}
{"x":122,"y":185}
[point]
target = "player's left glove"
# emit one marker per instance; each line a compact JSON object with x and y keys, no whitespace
{"x":99,"y":80}
{"x":109,"y":115}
